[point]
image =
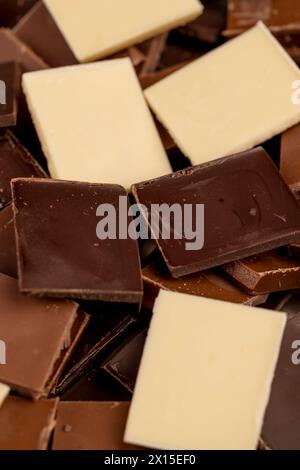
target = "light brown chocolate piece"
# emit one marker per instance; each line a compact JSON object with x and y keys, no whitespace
{"x":25,"y":425}
{"x":91,"y":426}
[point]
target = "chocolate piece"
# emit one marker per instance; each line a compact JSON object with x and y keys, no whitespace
{"x":136,"y":55}
{"x":153,"y":50}
{"x":38,"y":29}
{"x":240,"y":117}
{"x":209,"y":25}
{"x":210,"y":284}
{"x":281,"y":429}
{"x":9,"y":92}
{"x":290,"y":159}
{"x":123,"y":363}
{"x":62,"y":256}
{"x":14,"y":50}
{"x":12,"y":10}
{"x":186,"y":381}
{"x":8,"y":256}
{"x":36,"y":333}
{"x":265,"y":273}
{"x":25,"y":425}
{"x":15,"y":161}
{"x":176,"y":53}
{"x":103,"y":29}
{"x":248,"y":209}
{"x":108,"y":324}
{"x":96,"y":385}
{"x":91,"y":426}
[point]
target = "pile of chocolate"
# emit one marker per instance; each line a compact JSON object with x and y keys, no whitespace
{"x":113,"y":342}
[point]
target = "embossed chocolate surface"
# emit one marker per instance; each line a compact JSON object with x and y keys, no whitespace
{"x":248,"y":209}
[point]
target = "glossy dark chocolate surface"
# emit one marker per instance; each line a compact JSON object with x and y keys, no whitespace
{"x":58,"y":249}
{"x":249,"y":209}
{"x":8,"y":255}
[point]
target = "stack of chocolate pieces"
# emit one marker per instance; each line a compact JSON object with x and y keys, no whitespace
{"x":149,"y":225}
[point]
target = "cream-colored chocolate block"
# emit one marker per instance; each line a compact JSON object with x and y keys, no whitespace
{"x":94,"y":124}
{"x":4,"y":392}
{"x":97,"y":28}
{"x":205,"y":375}
{"x":229,"y":100}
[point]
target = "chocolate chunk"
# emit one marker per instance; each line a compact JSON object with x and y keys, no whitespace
{"x":294,"y":250}
{"x":9,"y":92}
{"x":265,"y":273}
{"x":209,"y":25}
{"x":58,"y":249}
{"x":108,"y":323}
{"x":8,"y":256}
{"x":12,"y":10}
{"x":209,"y":284}
{"x":289,"y":158}
{"x":91,"y":425}
{"x":37,"y":333}
{"x":248,"y":209}
{"x":96,"y":385}
{"x":14,"y":50}
{"x":281,"y":429}
{"x":149,"y":78}
{"x":15,"y":161}
{"x":25,"y":425}
{"x":123,"y":363}
{"x":281,"y":16}
{"x":39,"y":31}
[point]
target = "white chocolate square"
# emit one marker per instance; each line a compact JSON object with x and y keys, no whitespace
{"x":230,"y":100}
{"x":4,"y":392}
{"x":205,"y":375}
{"x":98,"y":28}
{"x":94,"y":124}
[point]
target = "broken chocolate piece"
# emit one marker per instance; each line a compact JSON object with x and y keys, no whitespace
{"x":9,"y":92}
{"x":265,"y":273}
{"x":12,"y":10}
{"x":91,"y":426}
{"x":153,"y":50}
{"x":290,"y":158}
{"x":25,"y":425}
{"x":123,"y":363}
{"x":248,"y":209}
{"x":62,"y":255}
{"x":36,"y":333}
{"x":210,"y":284}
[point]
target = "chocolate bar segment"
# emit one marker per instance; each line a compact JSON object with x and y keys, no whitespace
{"x":186,"y":381}
{"x":123,"y":363}
{"x":91,"y":426}
{"x":25,"y":425}
{"x":210,"y":284}
{"x":14,"y":50}
{"x":248,"y":209}
{"x":290,"y":158}
{"x":63,"y":256}
{"x":8,"y":255}
{"x":265,"y":273}
{"x":9,"y":91}
{"x":36,"y":333}
{"x":15,"y":161}
{"x":281,"y":429}
{"x":39,"y":31}
{"x":239,"y":117}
